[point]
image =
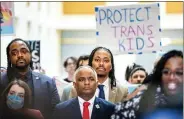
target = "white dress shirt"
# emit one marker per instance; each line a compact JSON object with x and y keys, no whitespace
{"x":90,"y":107}
{"x":106,"y":89}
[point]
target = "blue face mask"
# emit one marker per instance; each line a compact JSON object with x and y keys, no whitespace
{"x":14,"y":102}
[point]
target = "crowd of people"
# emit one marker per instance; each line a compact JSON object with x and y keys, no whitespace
{"x":92,"y":91}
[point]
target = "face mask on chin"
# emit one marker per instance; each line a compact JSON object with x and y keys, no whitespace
{"x":14,"y":102}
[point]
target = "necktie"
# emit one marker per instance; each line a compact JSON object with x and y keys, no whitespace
{"x":101,"y":92}
{"x":86,"y":110}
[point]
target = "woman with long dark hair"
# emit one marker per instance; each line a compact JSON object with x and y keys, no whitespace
{"x":164,"y":96}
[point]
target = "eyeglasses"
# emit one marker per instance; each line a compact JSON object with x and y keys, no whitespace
{"x":178,"y":73}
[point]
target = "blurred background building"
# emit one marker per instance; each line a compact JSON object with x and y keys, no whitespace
{"x":68,"y":29}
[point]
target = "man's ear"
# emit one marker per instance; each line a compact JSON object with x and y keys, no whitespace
{"x":74,"y":85}
{"x":130,"y":80}
{"x":65,"y":69}
{"x":111,"y":68}
{"x":97,"y":83}
{"x":9,"y":60}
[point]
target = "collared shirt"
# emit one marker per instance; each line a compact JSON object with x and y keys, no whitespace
{"x":106,"y":89}
{"x":90,"y":107}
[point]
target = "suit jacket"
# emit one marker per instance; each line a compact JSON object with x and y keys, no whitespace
{"x":116,"y":94}
{"x":45,"y":96}
{"x":71,"y":110}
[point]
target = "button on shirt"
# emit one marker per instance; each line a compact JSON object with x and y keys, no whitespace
{"x":90,"y":107}
{"x":106,"y":89}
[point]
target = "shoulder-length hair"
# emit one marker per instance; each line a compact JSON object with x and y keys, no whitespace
{"x":10,"y":69}
{"x":112,"y":71}
{"x":148,"y":98}
{"x":27,"y":95}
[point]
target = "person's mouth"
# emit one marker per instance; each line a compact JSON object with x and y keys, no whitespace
{"x":172,"y":86}
{"x":21,"y":61}
{"x":87,"y":88}
{"x":101,"y":69}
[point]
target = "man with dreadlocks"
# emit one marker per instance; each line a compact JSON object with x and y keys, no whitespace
{"x":101,"y":59}
{"x":44,"y":92}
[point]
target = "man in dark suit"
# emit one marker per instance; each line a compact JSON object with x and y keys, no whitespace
{"x":101,"y":59}
{"x":44,"y":92}
{"x":85,"y":105}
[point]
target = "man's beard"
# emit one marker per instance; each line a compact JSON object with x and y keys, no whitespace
{"x":21,"y":68}
{"x":101,"y":75}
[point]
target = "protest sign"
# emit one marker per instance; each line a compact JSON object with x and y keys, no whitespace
{"x":129,"y":28}
{"x":7,"y":15}
{"x":35,"y":48}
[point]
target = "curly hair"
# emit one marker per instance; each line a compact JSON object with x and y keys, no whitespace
{"x":10,"y":71}
{"x":147,"y":99}
{"x":112,"y":72}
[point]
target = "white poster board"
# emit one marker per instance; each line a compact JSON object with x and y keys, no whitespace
{"x":129,"y":28}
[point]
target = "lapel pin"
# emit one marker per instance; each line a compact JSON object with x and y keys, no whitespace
{"x":97,"y":106}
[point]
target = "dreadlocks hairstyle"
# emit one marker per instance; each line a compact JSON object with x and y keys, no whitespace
{"x":10,"y":72}
{"x":112,"y":72}
{"x":147,"y":99}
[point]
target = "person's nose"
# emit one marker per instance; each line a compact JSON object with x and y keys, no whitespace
{"x":86,"y":82}
{"x":19,"y":54}
{"x":101,"y":63}
{"x":139,"y":79}
{"x":172,"y":76}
